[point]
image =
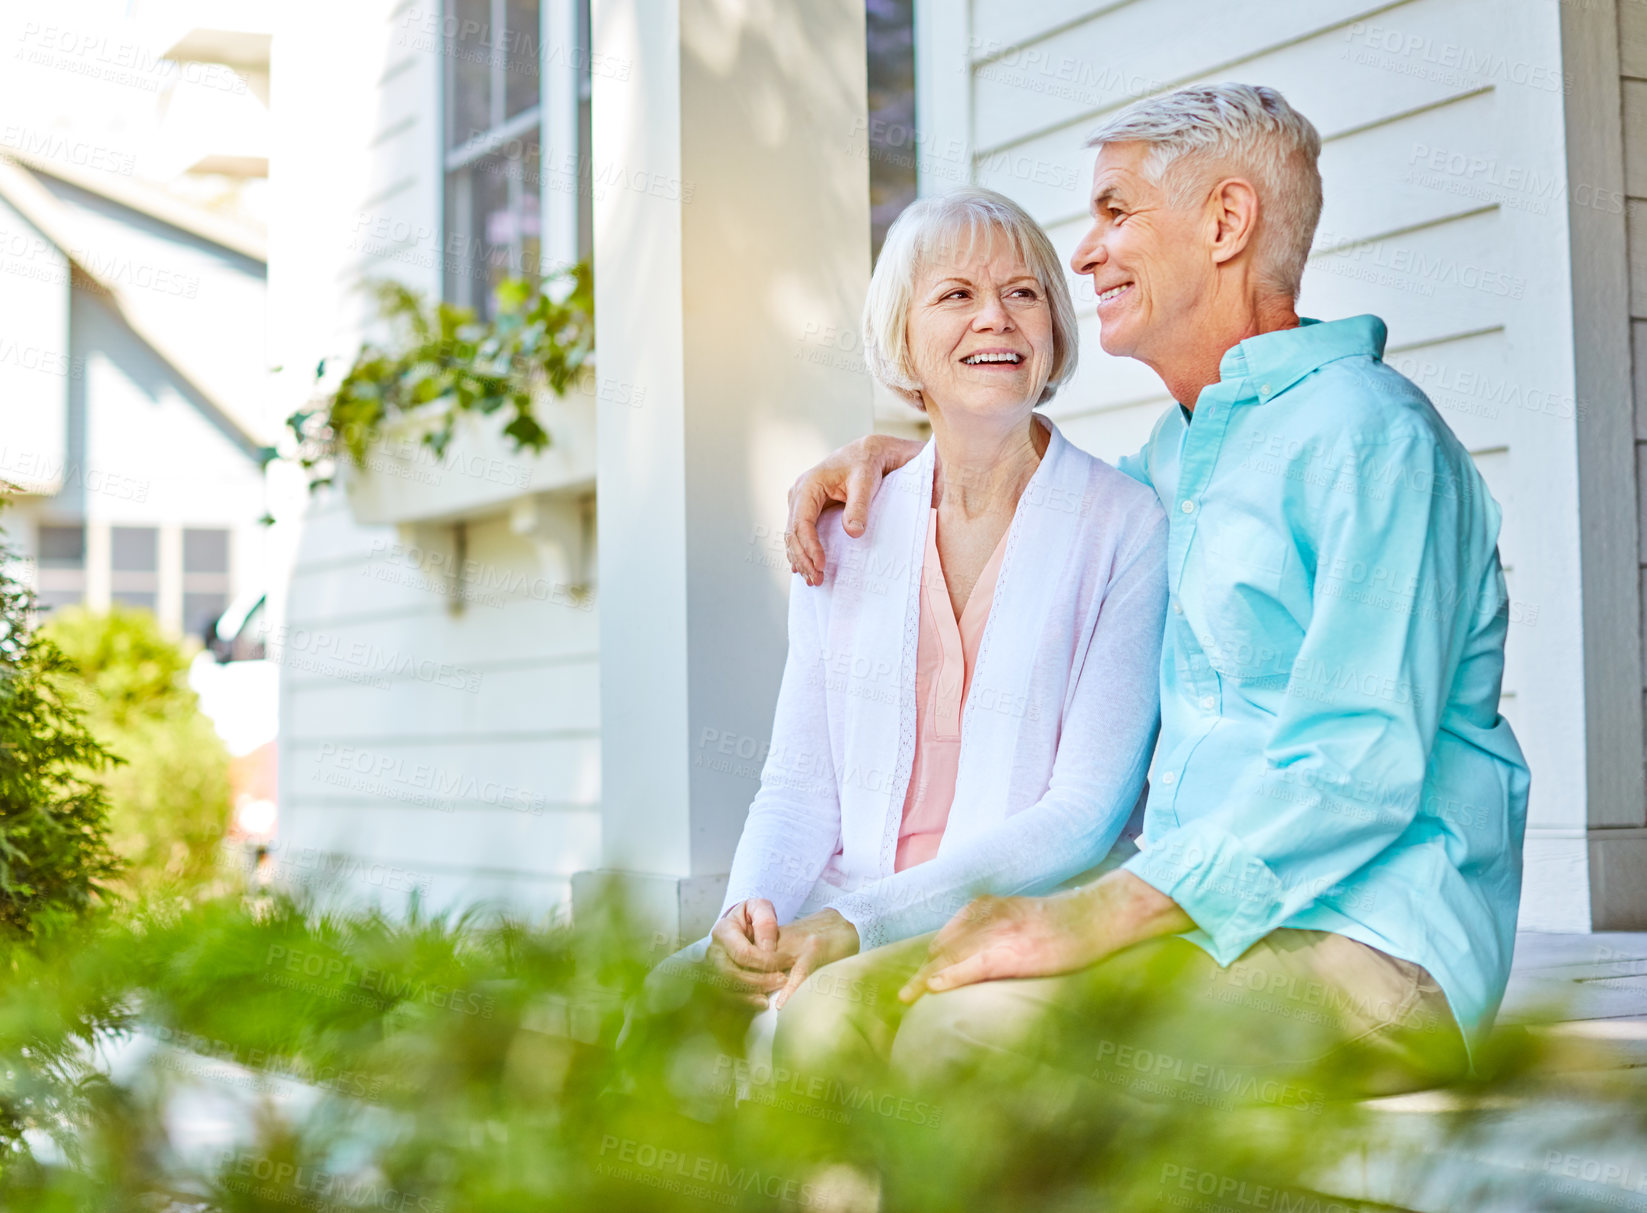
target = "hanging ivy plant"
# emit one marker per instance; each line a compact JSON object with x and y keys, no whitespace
{"x":440,"y":362}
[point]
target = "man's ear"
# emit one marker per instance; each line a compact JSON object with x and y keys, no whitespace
{"x":1233,"y":212}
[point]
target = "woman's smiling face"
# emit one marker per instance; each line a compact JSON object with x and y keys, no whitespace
{"x":980,"y":330}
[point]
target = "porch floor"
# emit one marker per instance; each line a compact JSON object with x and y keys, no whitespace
{"x":1579,"y":1145}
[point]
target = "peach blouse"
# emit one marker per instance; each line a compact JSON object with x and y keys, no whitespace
{"x":946,"y":651}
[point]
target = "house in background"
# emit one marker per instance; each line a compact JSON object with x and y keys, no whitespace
{"x":133,"y":338}
{"x":485,"y":695}
{"x":133,"y":388}
{"x":438,"y":644}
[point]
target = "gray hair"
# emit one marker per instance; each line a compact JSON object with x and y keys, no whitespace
{"x":1247,"y":127}
{"x":945,"y":225}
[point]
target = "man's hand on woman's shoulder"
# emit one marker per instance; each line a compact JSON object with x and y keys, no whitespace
{"x":851,"y":477}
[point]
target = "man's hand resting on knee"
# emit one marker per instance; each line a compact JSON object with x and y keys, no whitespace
{"x":998,"y":937}
{"x":852,"y":475}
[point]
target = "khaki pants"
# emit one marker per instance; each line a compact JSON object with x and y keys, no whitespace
{"x":1300,"y":1017}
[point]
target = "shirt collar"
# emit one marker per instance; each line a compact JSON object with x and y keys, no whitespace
{"x":1273,"y":362}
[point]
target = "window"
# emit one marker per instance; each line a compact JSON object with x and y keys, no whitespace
{"x":890,"y":31}
{"x":62,"y":565}
{"x":205,"y":578}
{"x":500,"y":172}
{"x":494,"y":211}
{"x":134,"y":564}
{"x":585,"y":174}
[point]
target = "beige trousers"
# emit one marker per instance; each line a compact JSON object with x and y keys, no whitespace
{"x":1300,"y":1017}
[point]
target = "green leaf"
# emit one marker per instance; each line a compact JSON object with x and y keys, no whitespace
{"x":527,"y":433}
{"x":444,"y":358}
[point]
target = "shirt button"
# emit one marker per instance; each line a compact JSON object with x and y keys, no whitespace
{"x":1177,"y":607}
{"x":1208,"y":702}
{"x":1188,"y":507}
{"x":1168,"y":778}
{"x":1264,"y":389}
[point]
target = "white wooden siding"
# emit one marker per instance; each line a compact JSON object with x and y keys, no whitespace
{"x":36,"y":367}
{"x":457,"y":752}
{"x":1632,"y":21}
{"x":450,"y":745}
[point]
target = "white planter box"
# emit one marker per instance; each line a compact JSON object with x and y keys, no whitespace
{"x":481,"y":472}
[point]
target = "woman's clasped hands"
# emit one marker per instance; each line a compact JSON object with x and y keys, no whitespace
{"x":763,"y":963}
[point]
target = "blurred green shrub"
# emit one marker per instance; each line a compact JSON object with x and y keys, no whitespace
{"x":357,"y":1061}
{"x":54,"y":851}
{"x":169,"y":797}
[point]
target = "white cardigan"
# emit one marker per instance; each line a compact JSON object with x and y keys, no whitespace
{"x":1056,"y":732}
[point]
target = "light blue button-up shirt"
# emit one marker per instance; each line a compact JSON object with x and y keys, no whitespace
{"x":1331,"y":754}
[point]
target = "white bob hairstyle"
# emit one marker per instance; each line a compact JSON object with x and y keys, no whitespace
{"x":1245,"y":128}
{"x":955,"y":225}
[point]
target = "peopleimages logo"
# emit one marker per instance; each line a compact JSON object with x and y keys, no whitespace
{"x":1413,"y":54}
{"x":361,"y":661}
{"x":395,"y":777}
{"x":44,"y":361}
{"x":331,"y":970}
{"x":70,"y":474}
{"x":54,"y":145}
{"x":482,"y":41}
{"x":292,"y":1183}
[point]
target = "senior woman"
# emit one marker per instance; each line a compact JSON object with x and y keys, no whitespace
{"x":970,"y":697}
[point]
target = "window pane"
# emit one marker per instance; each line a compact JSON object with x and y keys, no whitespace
{"x":504,"y":222}
{"x":205,"y":551}
{"x":527,"y":168}
{"x":586,"y":205}
{"x":521,"y":58}
{"x":62,"y":547}
{"x":493,"y":224}
{"x":454,"y":256}
{"x":48,"y":600}
{"x":144,"y":599}
{"x":134,"y":549}
{"x":890,"y":31}
{"x":200,"y":609}
{"x":469,"y":73}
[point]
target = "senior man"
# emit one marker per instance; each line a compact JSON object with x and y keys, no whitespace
{"x":1331,"y":858}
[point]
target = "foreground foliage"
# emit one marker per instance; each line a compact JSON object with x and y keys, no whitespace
{"x":360,"y":1061}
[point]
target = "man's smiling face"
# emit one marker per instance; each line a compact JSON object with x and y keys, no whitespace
{"x":1149,"y":262}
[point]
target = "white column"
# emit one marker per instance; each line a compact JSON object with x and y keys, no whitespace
{"x":1615,"y":819}
{"x":98,"y":544}
{"x":168,"y":601}
{"x":731,"y":242}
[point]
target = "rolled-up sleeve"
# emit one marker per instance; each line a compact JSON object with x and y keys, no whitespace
{"x":1342,"y":773}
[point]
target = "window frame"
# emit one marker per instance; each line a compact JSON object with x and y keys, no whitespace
{"x":467,"y":260}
